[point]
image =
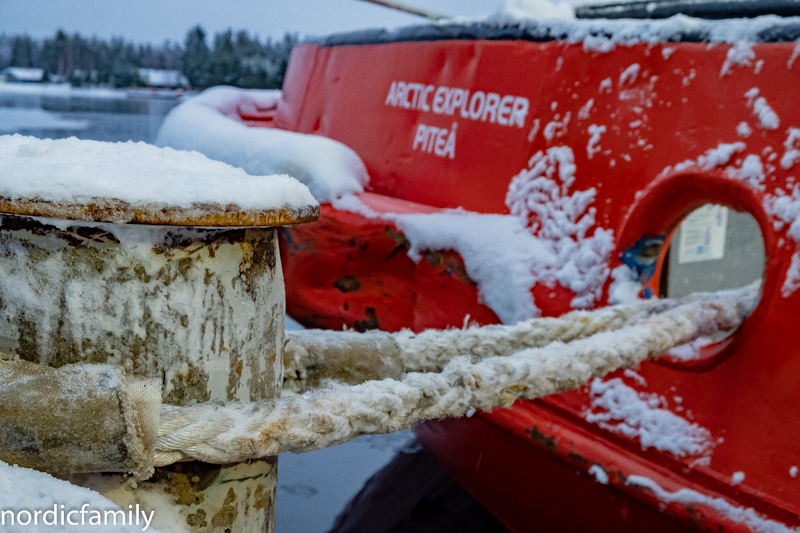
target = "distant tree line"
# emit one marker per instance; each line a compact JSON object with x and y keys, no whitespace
{"x":232,"y":59}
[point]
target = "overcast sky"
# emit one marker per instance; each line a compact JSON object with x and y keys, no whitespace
{"x":157,"y":20}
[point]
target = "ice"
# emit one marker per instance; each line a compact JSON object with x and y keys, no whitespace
{"x":20,"y":119}
{"x":737,"y":478}
{"x":72,"y":170}
{"x":61,"y":90}
{"x":210,"y":124}
{"x":621,"y":409}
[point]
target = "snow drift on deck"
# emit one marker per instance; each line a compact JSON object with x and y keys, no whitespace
{"x":73,"y":170}
{"x":210,"y":123}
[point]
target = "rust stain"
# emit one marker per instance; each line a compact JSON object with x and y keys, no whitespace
{"x":158,"y":213}
{"x":197,"y":519}
{"x":192,"y":384}
{"x":226,"y":516}
{"x":371,"y":321}
{"x":347,"y":284}
{"x":451,"y":263}
{"x":187,"y":481}
{"x":578,"y":458}
{"x":537,"y":436}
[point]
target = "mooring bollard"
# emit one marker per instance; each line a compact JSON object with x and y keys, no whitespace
{"x":189,"y":292}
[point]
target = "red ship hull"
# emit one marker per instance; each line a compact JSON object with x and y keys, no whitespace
{"x":530,"y":465}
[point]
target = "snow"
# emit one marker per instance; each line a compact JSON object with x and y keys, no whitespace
{"x":625,"y":287}
{"x":75,"y":170}
{"x":521,"y":9}
{"x":34,"y":491}
{"x":740,"y":54}
{"x":210,"y":124}
{"x":745,"y":516}
{"x":545,"y":239}
{"x":557,"y":127}
{"x":499,"y":253}
{"x":795,"y":53}
{"x":721,"y":155}
{"x":604,"y":35}
{"x":562,"y":221}
{"x":737,"y":478}
{"x":635,"y":376}
{"x":791,"y":154}
{"x":744,"y":130}
{"x":593,"y":146}
{"x":793,"y":472}
{"x":711,"y":159}
{"x":767,"y":118}
{"x":785,"y":209}
{"x":13,"y":119}
{"x":619,"y":408}
{"x":586,"y":110}
{"x":629,"y":75}
{"x":599,"y":474}
{"x":691,"y":350}
{"x":751,"y":172}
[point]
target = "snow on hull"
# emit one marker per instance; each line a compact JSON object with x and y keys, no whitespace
{"x":210,"y":124}
{"x":619,"y":408}
{"x":745,"y":516}
{"x":545,"y":239}
{"x":785,"y":209}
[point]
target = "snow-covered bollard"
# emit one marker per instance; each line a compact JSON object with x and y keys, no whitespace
{"x":164,"y":262}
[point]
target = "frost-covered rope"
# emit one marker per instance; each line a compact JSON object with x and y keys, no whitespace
{"x":234,"y":432}
{"x":317,"y":358}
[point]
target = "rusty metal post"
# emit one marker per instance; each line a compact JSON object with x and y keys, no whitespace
{"x":200,"y":308}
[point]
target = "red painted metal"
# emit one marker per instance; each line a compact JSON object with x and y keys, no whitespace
{"x":529,"y":463}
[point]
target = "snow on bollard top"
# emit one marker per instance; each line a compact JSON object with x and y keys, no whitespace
{"x":132,"y":182}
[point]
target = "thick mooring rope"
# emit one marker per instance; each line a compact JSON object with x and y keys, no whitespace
{"x":314,"y":359}
{"x":233,"y":432}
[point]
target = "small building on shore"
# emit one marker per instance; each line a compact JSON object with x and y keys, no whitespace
{"x":163,"y":78}
{"x":22,"y":75}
